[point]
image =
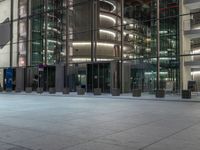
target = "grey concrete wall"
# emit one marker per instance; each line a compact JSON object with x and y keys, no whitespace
{"x":20,"y":79}
{"x":59,"y":78}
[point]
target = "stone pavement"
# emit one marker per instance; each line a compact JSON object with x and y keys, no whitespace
{"x":43,"y":122}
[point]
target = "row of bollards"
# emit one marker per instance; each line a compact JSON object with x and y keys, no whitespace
{"x":186,"y":94}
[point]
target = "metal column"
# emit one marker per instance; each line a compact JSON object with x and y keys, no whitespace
{"x":122,"y":45}
{"x":11,"y":32}
{"x":158,"y":44}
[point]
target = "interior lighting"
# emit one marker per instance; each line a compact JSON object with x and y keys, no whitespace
{"x":195,"y":72}
{"x":108,"y":32}
{"x":89,"y":43}
{"x":131,"y":25}
{"x":108,"y":18}
{"x":113,"y":5}
{"x":197,"y":51}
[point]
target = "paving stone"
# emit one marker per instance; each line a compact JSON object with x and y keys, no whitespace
{"x":32,"y":122}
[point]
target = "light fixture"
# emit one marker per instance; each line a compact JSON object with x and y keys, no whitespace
{"x":89,"y":43}
{"x":195,"y":72}
{"x":108,"y":18}
{"x":114,"y":6}
{"x":131,"y":25}
{"x":108,"y":32}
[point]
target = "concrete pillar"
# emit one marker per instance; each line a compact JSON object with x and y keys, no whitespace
{"x":115,"y":79}
{"x":19,"y":79}
{"x":185,"y":46}
{"x":59,"y":78}
{"x":1,"y":78}
{"x":126,"y":77}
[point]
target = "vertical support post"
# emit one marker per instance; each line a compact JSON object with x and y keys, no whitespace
{"x":27,"y":31}
{"x":92,"y":29}
{"x":158,"y":44}
{"x":11,"y":32}
{"x":122,"y":45}
{"x":67,"y":44}
{"x":93,"y":38}
{"x":46,"y":26}
{"x":95,"y":29}
{"x":18,"y":32}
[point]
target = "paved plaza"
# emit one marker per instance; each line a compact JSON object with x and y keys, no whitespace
{"x":30,"y":122}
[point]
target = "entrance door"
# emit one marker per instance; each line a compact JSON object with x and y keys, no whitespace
{"x":137,"y":79}
{"x":47,"y":77}
{"x":98,"y":76}
{"x":76,"y":76}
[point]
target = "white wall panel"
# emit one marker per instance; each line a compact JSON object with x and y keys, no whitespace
{"x":4,"y":50}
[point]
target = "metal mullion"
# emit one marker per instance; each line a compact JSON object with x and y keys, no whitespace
{"x":18,"y":34}
{"x":11,"y":33}
{"x":46,"y":21}
{"x":27,"y":31}
{"x":122,"y":45}
{"x":158,"y":44}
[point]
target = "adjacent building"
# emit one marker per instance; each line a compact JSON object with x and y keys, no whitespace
{"x":190,"y":41}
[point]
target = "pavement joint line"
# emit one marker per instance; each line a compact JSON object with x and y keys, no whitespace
{"x":117,"y":132}
{"x":166,"y":137}
{"x":196,"y":122}
{"x":16,"y":145}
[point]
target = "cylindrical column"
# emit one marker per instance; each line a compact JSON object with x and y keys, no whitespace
{"x":122,"y":45}
{"x":158,"y":44}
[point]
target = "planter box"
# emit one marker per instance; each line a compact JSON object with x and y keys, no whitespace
{"x":97,"y":91}
{"x":80,"y":91}
{"x":52,"y":91}
{"x":160,"y":93}
{"x":137,"y":93}
{"x":66,"y":91}
{"x":115,"y":92}
{"x":186,"y":94}
{"x":40,"y":90}
{"x":28,"y":90}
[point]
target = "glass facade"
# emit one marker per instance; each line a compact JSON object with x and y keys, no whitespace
{"x":102,"y":43}
{"x":47,"y":27}
{"x":144,"y":51}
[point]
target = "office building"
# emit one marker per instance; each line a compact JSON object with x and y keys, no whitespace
{"x":99,"y":44}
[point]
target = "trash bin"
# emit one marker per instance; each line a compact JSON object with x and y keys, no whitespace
{"x":97,"y":91}
{"x":137,"y":93}
{"x":186,"y":94}
{"x":160,"y":93}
